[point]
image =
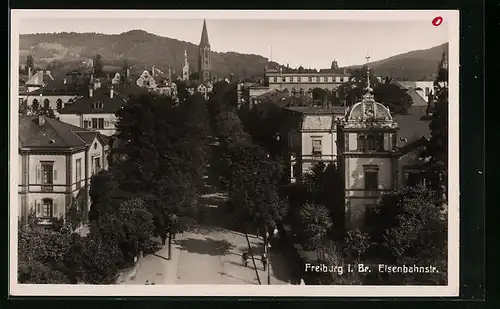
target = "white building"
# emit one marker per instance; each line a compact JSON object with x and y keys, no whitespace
{"x":95,"y":111}
{"x":56,"y":161}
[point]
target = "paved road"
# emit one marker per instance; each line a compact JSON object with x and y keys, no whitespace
{"x":211,"y":253}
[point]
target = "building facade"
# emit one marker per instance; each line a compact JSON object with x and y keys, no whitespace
{"x":303,"y":83}
{"x":56,"y":161}
{"x":204,"y":61}
{"x":311,"y":137}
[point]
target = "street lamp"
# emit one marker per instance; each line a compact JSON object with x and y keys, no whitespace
{"x":268,"y":253}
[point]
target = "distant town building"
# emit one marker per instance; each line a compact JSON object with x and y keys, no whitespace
{"x":422,"y":88}
{"x":56,"y":162}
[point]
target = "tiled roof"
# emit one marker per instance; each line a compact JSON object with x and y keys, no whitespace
{"x":411,"y":126}
{"x":84,"y":105}
{"x":417,"y":99}
{"x":339,"y":110}
{"x":52,"y":134}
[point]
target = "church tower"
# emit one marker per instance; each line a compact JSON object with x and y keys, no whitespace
{"x":185,"y":67}
{"x":204,"y":63}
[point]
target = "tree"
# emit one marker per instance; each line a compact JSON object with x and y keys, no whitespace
{"x":393,"y":96}
{"x":415,"y":233}
{"x":130,"y":225}
{"x":195,"y":76}
{"x":101,"y":260}
{"x":30,"y":64}
{"x":437,"y":148}
{"x":98,"y":66}
{"x":316,"y":222}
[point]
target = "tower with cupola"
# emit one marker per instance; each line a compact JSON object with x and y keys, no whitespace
{"x":204,"y":61}
{"x":367,"y":157}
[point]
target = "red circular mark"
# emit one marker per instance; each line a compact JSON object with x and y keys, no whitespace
{"x":437,"y":21}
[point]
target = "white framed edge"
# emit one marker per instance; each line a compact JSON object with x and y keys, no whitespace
{"x":452,"y":289}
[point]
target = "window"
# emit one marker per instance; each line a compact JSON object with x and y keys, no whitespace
{"x":59,"y":104}
{"x":78,"y":172}
{"x":47,"y":173}
{"x":317,"y":79}
{"x":370,"y":142}
{"x":426,"y":91}
{"x":316,"y":151}
{"x":96,"y":161}
{"x":97,"y":123}
{"x":21,"y":101}
{"x":295,"y":170}
{"x":87,"y":124}
{"x":47,"y":210}
{"x":283,"y":79}
{"x":106,"y":124}
{"x":346,"y":79}
{"x":271,"y":79}
{"x":309,"y":79}
{"x":337,"y":79}
{"x":98,"y":105}
{"x":371,"y":178}
{"x":46,"y":103}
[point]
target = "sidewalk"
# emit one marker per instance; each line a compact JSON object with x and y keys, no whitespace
{"x":157,"y":268}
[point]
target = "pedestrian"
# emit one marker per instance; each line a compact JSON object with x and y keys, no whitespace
{"x":264,"y":260}
{"x":244,"y":257}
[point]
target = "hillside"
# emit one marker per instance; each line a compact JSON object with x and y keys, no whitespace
{"x":414,"y":65}
{"x":65,"y":51}
{"x":143,"y":50}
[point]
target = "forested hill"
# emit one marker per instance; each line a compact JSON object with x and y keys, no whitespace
{"x":414,"y":65}
{"x":142,"y":49}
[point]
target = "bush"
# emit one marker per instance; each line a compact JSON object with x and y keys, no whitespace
{"x":35,"y":272}
{"x":101,"y":260}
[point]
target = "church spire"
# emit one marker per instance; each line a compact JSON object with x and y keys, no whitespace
{"x":204,"y":35}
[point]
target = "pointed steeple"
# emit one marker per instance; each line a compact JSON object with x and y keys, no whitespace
{"x":204,"y":35}
{"x":185,"y":53}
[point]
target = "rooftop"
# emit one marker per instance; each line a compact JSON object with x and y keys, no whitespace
{"x":340,"y":110}
{"x":411,"y":126}
{"x":52,"y":133}
{"x":85,"y":105}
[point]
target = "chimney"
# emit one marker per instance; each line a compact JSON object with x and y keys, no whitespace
{"x":91,"y":91}
{"x":111,"y":92}
{"x":41,"y":120}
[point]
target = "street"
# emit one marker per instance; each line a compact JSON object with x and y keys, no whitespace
{"x":211,"y":253}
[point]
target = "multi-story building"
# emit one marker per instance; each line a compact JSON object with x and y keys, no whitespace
{"x":56,"y":161}
{"x":303,"y":83}
{"x":422,"y":88}
{"x":96,"y":110}
{"x":311,"y":137}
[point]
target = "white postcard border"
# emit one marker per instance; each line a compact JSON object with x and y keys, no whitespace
{"x":452,"y":289}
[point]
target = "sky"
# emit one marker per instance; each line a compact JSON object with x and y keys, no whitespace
{"x":312,"y":43}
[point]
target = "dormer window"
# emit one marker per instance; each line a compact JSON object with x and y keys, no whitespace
{"x":98,"y":105}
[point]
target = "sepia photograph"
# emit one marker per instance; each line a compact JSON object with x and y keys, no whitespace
{"x":208,"y":153}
